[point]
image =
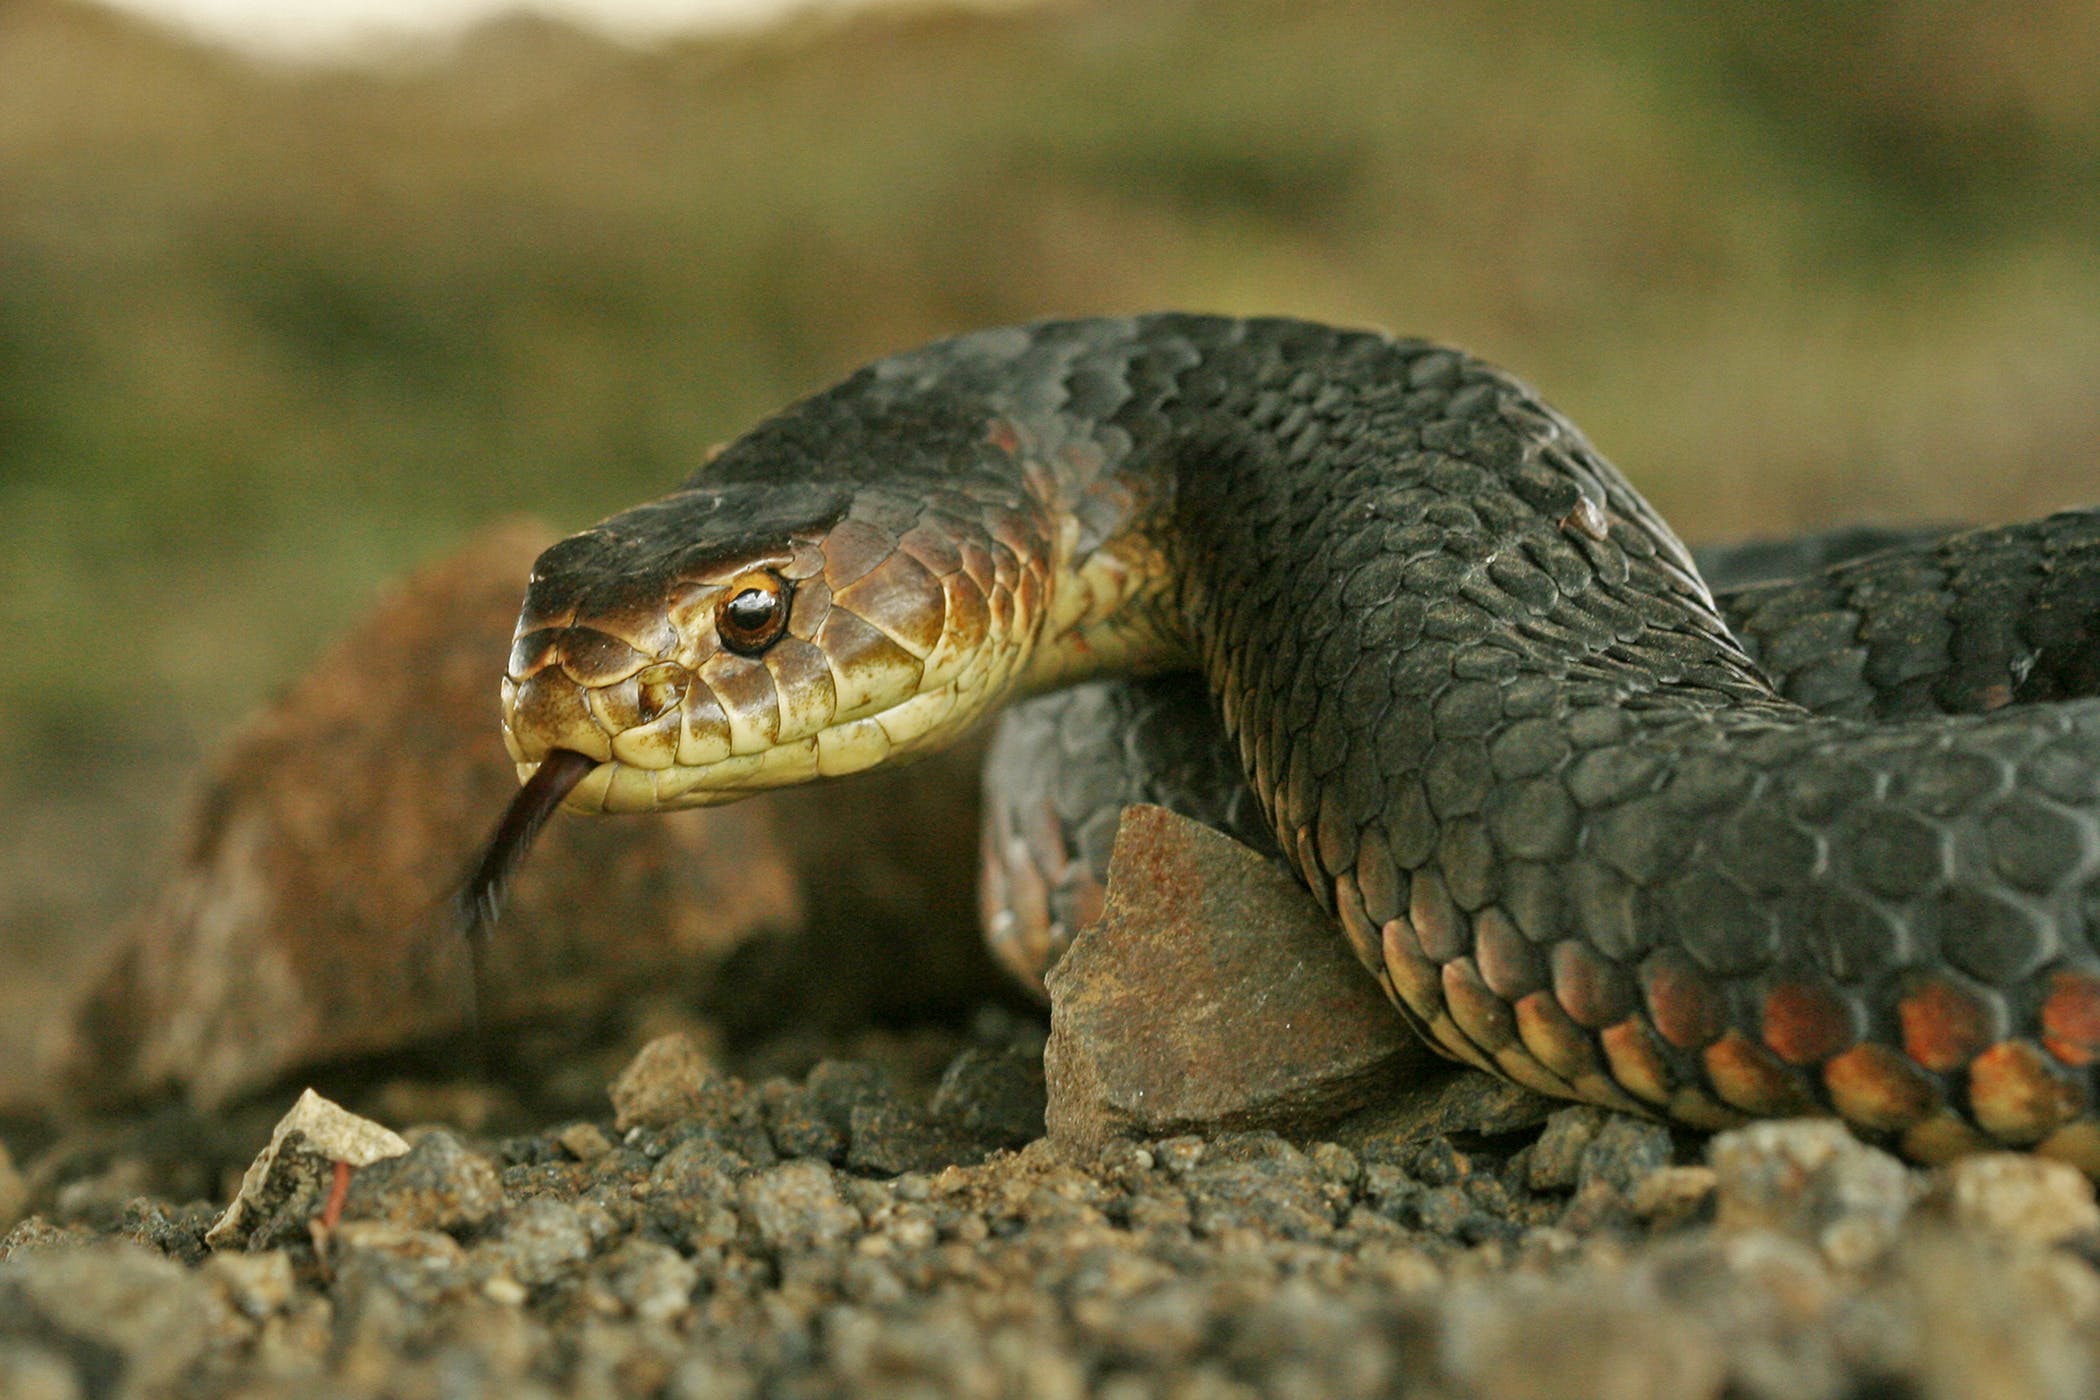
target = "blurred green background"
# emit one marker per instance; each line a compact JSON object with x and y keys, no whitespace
{"x":270,"y":337}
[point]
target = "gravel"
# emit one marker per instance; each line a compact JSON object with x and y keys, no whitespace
{"x":875,"y":1223}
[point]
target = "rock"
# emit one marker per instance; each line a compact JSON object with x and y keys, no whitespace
{"x":1985,"y":1324}
{"x":653,"y":1281}
{"x":31,"y":1372}
{"x":798,"y":1126}
{"x":1211,"y":993}
{"x":2032,"y":1200}
{"x":130,"y":1322}
{"x":1625,"y":1152}
{"x":1594,"y":1339}
{"x":254,"y":1285}
{"x":1228,"y":1264}
{"x":436,"y":1185}
{"x":304,"y":919}
{"x":420,"y":1266}
{"x":586,"y":1142}
{"x":1556,"y":1157}
{"x":996,"y":1095}
{"x":797,"y":1206}
{"x":1437,"y":1100}
{"x":1673,"y":1196}
{"x":849,"y":1113}
{"x":668,"y":1082}
{"x":285,"y":1182}
{"x":1811,"y":1179}
{"x":541,"y":1240}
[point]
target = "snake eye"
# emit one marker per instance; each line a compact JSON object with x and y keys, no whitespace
{"x":753,"y":614}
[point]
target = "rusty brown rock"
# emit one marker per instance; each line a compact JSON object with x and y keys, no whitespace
{"x":1212,"y":993}
{"x":306,"y":916}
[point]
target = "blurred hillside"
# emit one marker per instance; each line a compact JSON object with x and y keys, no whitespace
{"x":267,"y":338}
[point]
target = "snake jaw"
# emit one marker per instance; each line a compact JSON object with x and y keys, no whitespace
{"x":907,"y":619}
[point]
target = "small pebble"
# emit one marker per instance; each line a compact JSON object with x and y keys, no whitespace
{"x":438,"y":1185}
{"x":669,"y":1080}
{"x":586,"y":1142}
{"x":2029,"y":1199}
{"x":797,"y":1206}
{"x":257,"y":1285}
{"x":285,"y":1182}
{"x":1812,"y":1179}
{"x":540,"y":1241}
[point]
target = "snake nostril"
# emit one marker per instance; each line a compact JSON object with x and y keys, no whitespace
{"x":660,"y":688}
{"x":532,"y":651}
{"x":548,"y":710}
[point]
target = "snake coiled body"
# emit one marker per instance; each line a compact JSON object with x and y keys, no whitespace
{"x":1488,"y":708}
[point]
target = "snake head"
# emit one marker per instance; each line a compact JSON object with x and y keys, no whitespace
{"x":742,"y":636}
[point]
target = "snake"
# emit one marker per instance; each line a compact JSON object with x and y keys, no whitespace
{"x":1835,"y":850}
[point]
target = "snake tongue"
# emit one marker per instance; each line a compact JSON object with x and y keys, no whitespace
{"x":479,"y":902}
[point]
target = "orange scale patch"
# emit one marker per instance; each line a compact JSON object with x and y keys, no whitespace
{"x":1873,"y":1086}
{"x":1745,"y":1074}
{"x":2018,"y":1094}
{"x":1805,"y":1023}
{"x":1944,"y":1027}
{"x":1637,"y":1061}
{"x":2071,"y":1017}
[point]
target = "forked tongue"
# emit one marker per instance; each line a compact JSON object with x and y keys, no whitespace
{"x":479,"y":902}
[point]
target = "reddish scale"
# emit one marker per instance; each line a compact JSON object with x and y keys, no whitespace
{"x":1805,"y":1022}
{"x":1687,"y":1010}
{"x":2071,"y":1018}
{"x":1637,"y":1059}
{"x":1944,"y":1025}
